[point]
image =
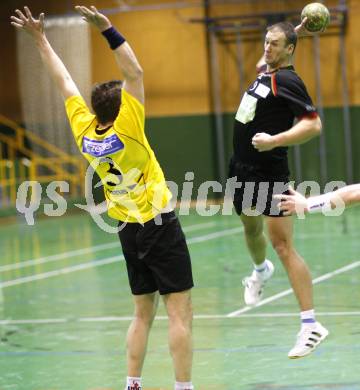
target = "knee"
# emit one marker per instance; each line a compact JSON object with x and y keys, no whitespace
{"x":181,"y":317}
{"x":146,"y":317}
{"x":283,"y":248}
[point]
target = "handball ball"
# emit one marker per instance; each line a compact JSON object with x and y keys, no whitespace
{"x":318,"y":17}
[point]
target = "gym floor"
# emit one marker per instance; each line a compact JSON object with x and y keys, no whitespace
{"x":65,"y":307}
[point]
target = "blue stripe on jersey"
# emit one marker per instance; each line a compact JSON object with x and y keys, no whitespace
{"x":105,"y":147}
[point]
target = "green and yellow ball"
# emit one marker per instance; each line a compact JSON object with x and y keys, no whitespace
{"x":318,"y":17}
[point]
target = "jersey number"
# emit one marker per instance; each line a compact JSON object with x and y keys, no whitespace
{"x":116,"y":172}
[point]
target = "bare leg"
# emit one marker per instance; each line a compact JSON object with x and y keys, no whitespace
{"x":179,"y":309}
{"x":138,"y":332}
{"x":281,"y":236}
{"x":255,"y":237}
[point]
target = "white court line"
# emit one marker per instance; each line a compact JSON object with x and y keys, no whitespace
{"x":110,"y":245}
{"x":107,"y":260}
{"x":62,"y":271}
{"x":212,"y":236}
{"x":59,"y":256}
{"x":35,"y":321}
{"x":221,"y":316}
{"x":91,"y":249}
{"x":164,"y":318}
{"x":290,"y":291}
{"x":198,"y":226}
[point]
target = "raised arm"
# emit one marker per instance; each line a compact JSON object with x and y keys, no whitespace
{"x":124,"y":55}
{"x":55,"y":67}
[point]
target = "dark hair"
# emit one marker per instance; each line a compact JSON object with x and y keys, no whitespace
{"x":106,"y":100}
{"x":289,"y":31}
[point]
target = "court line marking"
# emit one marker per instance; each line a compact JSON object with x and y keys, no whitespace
{"x":284,"y":293}
{"x":220,"y":316}
{"x":110,"y":245}
{"x":82,"y":251}
{"x":107,"y":260}
{"x":45,"y":321}
{"x":61,"y":271}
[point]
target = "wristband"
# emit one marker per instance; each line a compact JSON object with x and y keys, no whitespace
{"x":114,"y":38}
{"x":319,"y":204}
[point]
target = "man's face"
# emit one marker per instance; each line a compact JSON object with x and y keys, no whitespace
{"x":276,"y":50}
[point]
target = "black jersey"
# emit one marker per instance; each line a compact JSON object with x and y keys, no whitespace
{"x":270,"y":106}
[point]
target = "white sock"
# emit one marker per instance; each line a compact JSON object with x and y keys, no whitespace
{"x":183,"y":386}
{"x":261,"y":269}
{"x":308,"y":318}
{"x":133,"y":383}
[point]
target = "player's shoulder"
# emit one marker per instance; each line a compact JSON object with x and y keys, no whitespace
{"x":75,"y":99}
{"x":76,"y":105}
{"x":131,"y":116}
{"x":287,"y":77}
{"x":129,"y":98}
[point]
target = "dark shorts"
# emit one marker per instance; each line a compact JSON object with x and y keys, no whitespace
{"x":157,"y":256}
{"x":256,"y":189}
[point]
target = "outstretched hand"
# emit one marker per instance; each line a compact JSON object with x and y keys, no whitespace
{"x":295,"y":203}
{"x":94,"y":17}
{"x":25,"y":21}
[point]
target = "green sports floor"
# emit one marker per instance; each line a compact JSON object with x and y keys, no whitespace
{"x":65,"y":308}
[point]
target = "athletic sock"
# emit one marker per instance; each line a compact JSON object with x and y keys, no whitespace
{"x":133,"y":383}
{"x":261,"y":269}
{"x":308,"y":318}
{"x":183,"y":386}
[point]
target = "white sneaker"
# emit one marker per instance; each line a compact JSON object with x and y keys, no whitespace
{"x":254,"y":284}
{"x":307,"y":340}
{"x":133,"y":386}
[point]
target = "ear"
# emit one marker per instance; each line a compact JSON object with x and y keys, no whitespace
{"x":291,"y":48}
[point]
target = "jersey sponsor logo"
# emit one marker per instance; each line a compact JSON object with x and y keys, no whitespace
{"x":247,"y":108}
{"x":262,"y":90}
{"x":108,"y":145}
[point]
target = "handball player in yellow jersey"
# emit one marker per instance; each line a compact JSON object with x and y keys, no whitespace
{"x":113,"y":140}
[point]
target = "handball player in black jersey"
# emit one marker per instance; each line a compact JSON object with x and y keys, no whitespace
{"x":275,"y":112}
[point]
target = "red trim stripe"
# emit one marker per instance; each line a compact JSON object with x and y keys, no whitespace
{"x":273,"y":84}
{"x":310,"y":115}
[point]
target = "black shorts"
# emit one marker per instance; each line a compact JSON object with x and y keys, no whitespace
{"x":157,"y":256}
{"x":256,"y":189}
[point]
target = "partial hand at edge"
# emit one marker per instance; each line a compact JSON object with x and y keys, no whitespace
{"x":94,"y":17}
{"x":301,"y":30}
{"x":295,"y":203}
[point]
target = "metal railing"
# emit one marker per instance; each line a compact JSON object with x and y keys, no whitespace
{"x":18,"y":163}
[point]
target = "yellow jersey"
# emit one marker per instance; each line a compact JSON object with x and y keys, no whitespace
{"x":134,"y":184}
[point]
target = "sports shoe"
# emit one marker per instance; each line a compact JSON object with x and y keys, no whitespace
{"x":254,"y":284}
{"x":307,"y":340}
{"x":134,"y":386}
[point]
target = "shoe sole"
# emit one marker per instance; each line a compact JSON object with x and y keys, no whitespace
{"x":326,"y":334}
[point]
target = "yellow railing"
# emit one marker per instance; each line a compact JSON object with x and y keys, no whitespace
{"x":21,"y":134}
{"x":34,"y":167}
